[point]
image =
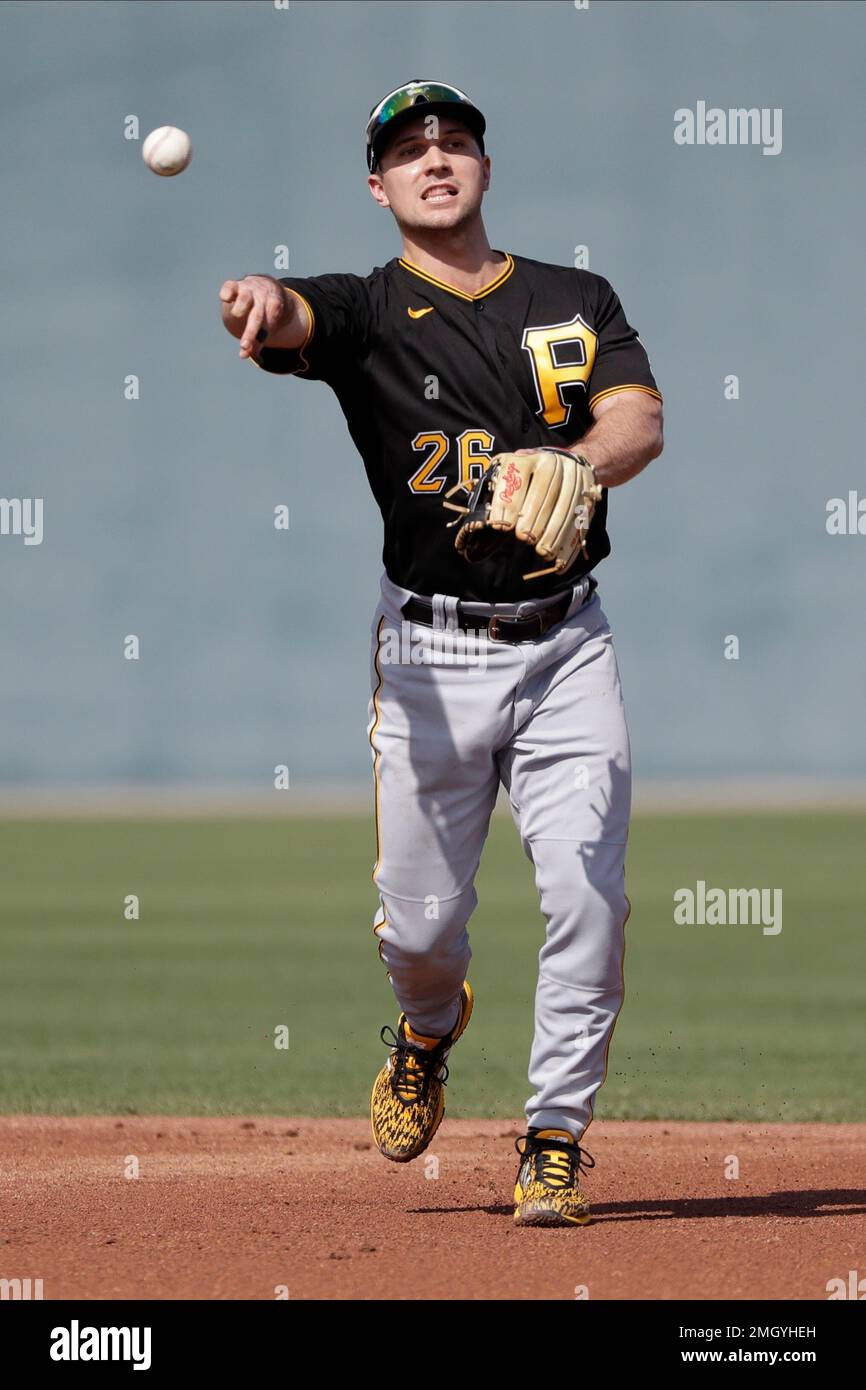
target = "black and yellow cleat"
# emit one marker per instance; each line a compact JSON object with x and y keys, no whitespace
{"x":547,"y":1191}
{"x":408,"y":1099}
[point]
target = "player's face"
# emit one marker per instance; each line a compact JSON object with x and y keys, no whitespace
{"x":434,"y":183}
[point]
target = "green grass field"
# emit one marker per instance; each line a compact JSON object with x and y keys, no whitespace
{"x":249,"y":924}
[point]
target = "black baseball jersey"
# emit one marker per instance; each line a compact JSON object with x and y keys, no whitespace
{"x":433,"y":381}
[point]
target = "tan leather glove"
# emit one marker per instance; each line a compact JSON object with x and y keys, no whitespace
{"x":546,"y":499}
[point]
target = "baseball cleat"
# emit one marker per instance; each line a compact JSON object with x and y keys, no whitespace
{"x":547,"y":1191}
{"x":408,"y":1099}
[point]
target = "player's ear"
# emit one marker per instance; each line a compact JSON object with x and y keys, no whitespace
{"x":377,"y":190}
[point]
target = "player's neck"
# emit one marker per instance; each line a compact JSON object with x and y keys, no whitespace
{"x":461,"y":257}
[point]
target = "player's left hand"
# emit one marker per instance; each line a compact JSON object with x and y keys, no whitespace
{"x":546,"y":500}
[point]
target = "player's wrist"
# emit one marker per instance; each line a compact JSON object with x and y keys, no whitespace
{"x":581,"y":458}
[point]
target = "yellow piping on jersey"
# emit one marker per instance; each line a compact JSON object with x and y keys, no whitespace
{"x":612,"y":390}
{"x":311,"y":324}
{"x":442,"y":285}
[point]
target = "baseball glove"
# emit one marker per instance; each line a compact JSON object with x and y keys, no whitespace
{"x":545,"y":499}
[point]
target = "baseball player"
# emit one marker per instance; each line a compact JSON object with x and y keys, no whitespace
{"x":494,"y":401}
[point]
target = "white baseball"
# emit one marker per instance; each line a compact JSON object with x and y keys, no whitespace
{"x":167,"y":150}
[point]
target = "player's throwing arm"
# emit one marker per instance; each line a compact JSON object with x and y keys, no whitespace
{"x":258,"y":308}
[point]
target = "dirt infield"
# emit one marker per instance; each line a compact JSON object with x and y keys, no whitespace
{"x":235,"y":1208}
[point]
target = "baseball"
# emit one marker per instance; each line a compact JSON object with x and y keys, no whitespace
{"x":167,"y":150}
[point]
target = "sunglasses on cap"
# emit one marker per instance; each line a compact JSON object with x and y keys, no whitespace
{"x":418,"y":94}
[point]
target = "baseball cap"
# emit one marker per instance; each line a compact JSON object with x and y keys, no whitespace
{"x":418,"y":98}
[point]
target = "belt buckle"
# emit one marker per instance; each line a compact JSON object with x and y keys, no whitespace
{"x":495,"y":635}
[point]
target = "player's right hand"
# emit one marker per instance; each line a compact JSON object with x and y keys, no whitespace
{"x":252,"y":308}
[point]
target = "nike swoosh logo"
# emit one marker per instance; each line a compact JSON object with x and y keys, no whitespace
{"x":419,"y":313}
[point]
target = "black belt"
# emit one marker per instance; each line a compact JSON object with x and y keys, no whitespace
{"x":498,"y":627}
